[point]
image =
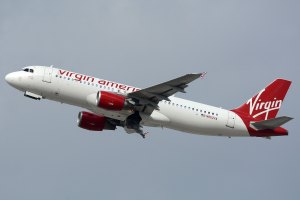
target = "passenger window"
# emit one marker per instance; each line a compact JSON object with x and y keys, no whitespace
{"x":31,"y":70}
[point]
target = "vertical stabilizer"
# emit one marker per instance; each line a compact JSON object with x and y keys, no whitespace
{"x":266,"y":104}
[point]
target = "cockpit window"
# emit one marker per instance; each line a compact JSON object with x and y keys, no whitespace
{"x":28,"y":70}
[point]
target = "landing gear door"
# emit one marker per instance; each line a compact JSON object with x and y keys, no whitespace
{"x":47,"y":74}
{"x":231,"y":119}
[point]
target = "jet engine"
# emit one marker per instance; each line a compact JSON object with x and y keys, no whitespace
{"x":110,"y":101}
{"x":94,"y":122}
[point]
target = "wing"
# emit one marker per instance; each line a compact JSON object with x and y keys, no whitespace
{"x":150,"y":96}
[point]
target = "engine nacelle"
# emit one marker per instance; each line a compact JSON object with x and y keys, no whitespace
{"x":94,"y":122}
{"x":110,"y":101}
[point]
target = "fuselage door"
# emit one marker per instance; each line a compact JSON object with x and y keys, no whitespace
{"x":47,"y":74}
{"x":231,"y":119}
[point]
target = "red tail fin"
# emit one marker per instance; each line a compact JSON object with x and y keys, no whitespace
{"x":266,"y":104}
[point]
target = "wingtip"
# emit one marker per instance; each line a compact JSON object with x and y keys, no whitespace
{"x":198,"y":74}
{"x":202,"y":75}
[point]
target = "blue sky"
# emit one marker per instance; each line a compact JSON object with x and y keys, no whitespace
{"x":243,"y":45}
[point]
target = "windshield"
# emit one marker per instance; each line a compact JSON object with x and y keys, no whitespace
{"x":28,"y":70}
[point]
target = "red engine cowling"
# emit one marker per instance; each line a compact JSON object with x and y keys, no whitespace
{"x":110,"y":101}
{"x":94,"y":122}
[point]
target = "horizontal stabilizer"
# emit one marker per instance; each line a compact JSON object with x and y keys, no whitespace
{"x":271,"y":123}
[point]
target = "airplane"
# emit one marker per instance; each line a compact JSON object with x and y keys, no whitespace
{"x":111,"y":104}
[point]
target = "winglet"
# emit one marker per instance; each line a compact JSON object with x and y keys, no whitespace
{"x":202,"y":75}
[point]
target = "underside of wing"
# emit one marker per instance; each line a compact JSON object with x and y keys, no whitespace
{"x":152,"y":95}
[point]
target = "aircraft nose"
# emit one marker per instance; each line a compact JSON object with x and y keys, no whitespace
{"x":16,"y":80}
{"x":12,"y":79}
{"x":9,"y":78}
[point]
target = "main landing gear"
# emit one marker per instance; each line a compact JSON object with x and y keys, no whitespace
{"x":133,"y":122}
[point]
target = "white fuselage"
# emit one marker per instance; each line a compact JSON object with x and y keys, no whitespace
{"x":79,"y":90}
